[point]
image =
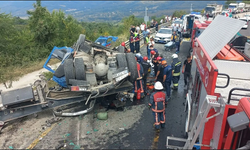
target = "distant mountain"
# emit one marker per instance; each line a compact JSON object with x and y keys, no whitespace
{"x":100,"y":11}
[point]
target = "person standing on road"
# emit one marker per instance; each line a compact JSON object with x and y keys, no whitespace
{"x":151,"y":48}
{"x":174,"y":28}
{"x":176,"y":38}
{"x":139,"y":82}
{"x":143,"y":27}
{"x":186,"y":69}
{"x":138,"y":29}
{"x":145,"y":65}
{"x":159,"y":75}
{"x":156,"y":26}
{"x":137,"y":42}
{"x":132,"y":43}
{"x":176,"y":71}
{"x":179,"y":30}
{"x":167,"y":78}
{"x":147,"y":42}
{"x":151,"y":42}
{"x":161,"y":22}
{"x":157,"y":104}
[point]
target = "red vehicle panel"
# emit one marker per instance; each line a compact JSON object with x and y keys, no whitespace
{"x":208,"y":70}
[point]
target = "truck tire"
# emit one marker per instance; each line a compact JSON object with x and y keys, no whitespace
{"x":75,"y":82}
{"x":80,"y":69}
{"x":120,"y":49}
{"x":132,"y":67}
{"x":121,"y":60}
{"x":69,"y":70}
{"x":81,"y":39}
{"x":59,"y":71}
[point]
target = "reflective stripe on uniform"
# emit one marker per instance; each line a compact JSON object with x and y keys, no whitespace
{"x":177,"y":63}
{"x":176,"y":74}
{"x":176,"y":84}
{"x":147,"y":40}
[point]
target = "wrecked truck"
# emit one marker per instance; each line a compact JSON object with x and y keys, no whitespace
{"x":87,"y":71}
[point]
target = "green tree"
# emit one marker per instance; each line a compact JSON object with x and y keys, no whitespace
{"x":246,"y":1}
{"x":228,"y":2}
{"x":42,"y":25}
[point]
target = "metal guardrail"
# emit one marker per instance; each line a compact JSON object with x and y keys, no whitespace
{"x":152,"y":31}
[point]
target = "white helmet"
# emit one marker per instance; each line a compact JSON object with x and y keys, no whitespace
{"x":174,"y":56}
{"x":158,"y":86}
{"x":138,"y":55}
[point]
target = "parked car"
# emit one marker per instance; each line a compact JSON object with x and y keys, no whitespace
{"x":163,"y":35}
{"x":178,"y":22}
{"x":106,"y":40}
{"x":246,"y":20}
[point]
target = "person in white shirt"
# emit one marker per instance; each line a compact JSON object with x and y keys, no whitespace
{"x":143,"y":26}
{"x":138,"y":29}
{"x":179,"y":30}
{"x":175,"y":28}
{"x":151,"y":42}
{"x":161,"y":21}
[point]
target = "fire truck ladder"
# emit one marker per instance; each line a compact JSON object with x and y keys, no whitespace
{"x":201,"y":119}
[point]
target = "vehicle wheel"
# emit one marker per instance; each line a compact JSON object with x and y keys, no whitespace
{"x":80,"y":69}
{"x":69,"y":70}
{"x":81,"y":39}
{"x":75,"y":82}
{"x":132,"y":66}
{"x":120,"y":49}
{"x":59,"y":71}
{"x":121,"y":60}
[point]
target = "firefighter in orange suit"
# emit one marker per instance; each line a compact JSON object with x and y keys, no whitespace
{"x":139,"y":82}
{"x":157,"y":103}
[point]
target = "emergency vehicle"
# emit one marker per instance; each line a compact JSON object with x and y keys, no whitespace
{"x":218,"y":97}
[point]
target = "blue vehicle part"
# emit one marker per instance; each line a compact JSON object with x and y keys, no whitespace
{"x":62,"y":54}
{"x":103,"y":40}
{"x":56,"y":54}
{"x":197,"y":147}
{"x":61,"y":81}
{"x":195,"y":13}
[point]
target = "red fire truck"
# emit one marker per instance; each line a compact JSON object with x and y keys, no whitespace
{"x":218,"y":97}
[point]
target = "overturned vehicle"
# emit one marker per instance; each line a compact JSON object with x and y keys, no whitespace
{"x":87,"y":71}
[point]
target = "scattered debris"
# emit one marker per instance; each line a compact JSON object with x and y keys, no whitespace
{"x":66,"y":135}
{"x":71,"y":143}
{"x":102,"y":115}
{"x":95,"y":130}
{"x":124,"y":125}
{"x":88,"y":132}
{"x":10,"y":147}
{"x":121,"y":128}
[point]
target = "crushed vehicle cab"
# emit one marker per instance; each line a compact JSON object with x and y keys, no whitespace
{"x":86,"y":71}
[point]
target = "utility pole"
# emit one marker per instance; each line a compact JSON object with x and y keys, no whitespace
{"x":191,"y":9}
{"x":146,"y":14}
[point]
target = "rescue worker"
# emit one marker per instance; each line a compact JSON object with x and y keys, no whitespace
{"x":167,"y":78}
{"x":145,"y":65}
{"x":137,"y":42}
{"x":176,"y":71}
{"x":139,"y":81}
{"x":155,"y":63}
{"x":153,"y":49}
{"x":159,"y":74}
{"x":139,"y":57}
{"x":132,"y":43}
{"x":125,"y":49}
{"x":176,"y":38}
{"x":157,"y":104}
{"x":186,"y":69}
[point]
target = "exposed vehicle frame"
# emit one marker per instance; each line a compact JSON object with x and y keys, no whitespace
{"x":81,"y":76}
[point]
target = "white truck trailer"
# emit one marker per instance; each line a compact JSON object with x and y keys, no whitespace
{"x":213,"y":9}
